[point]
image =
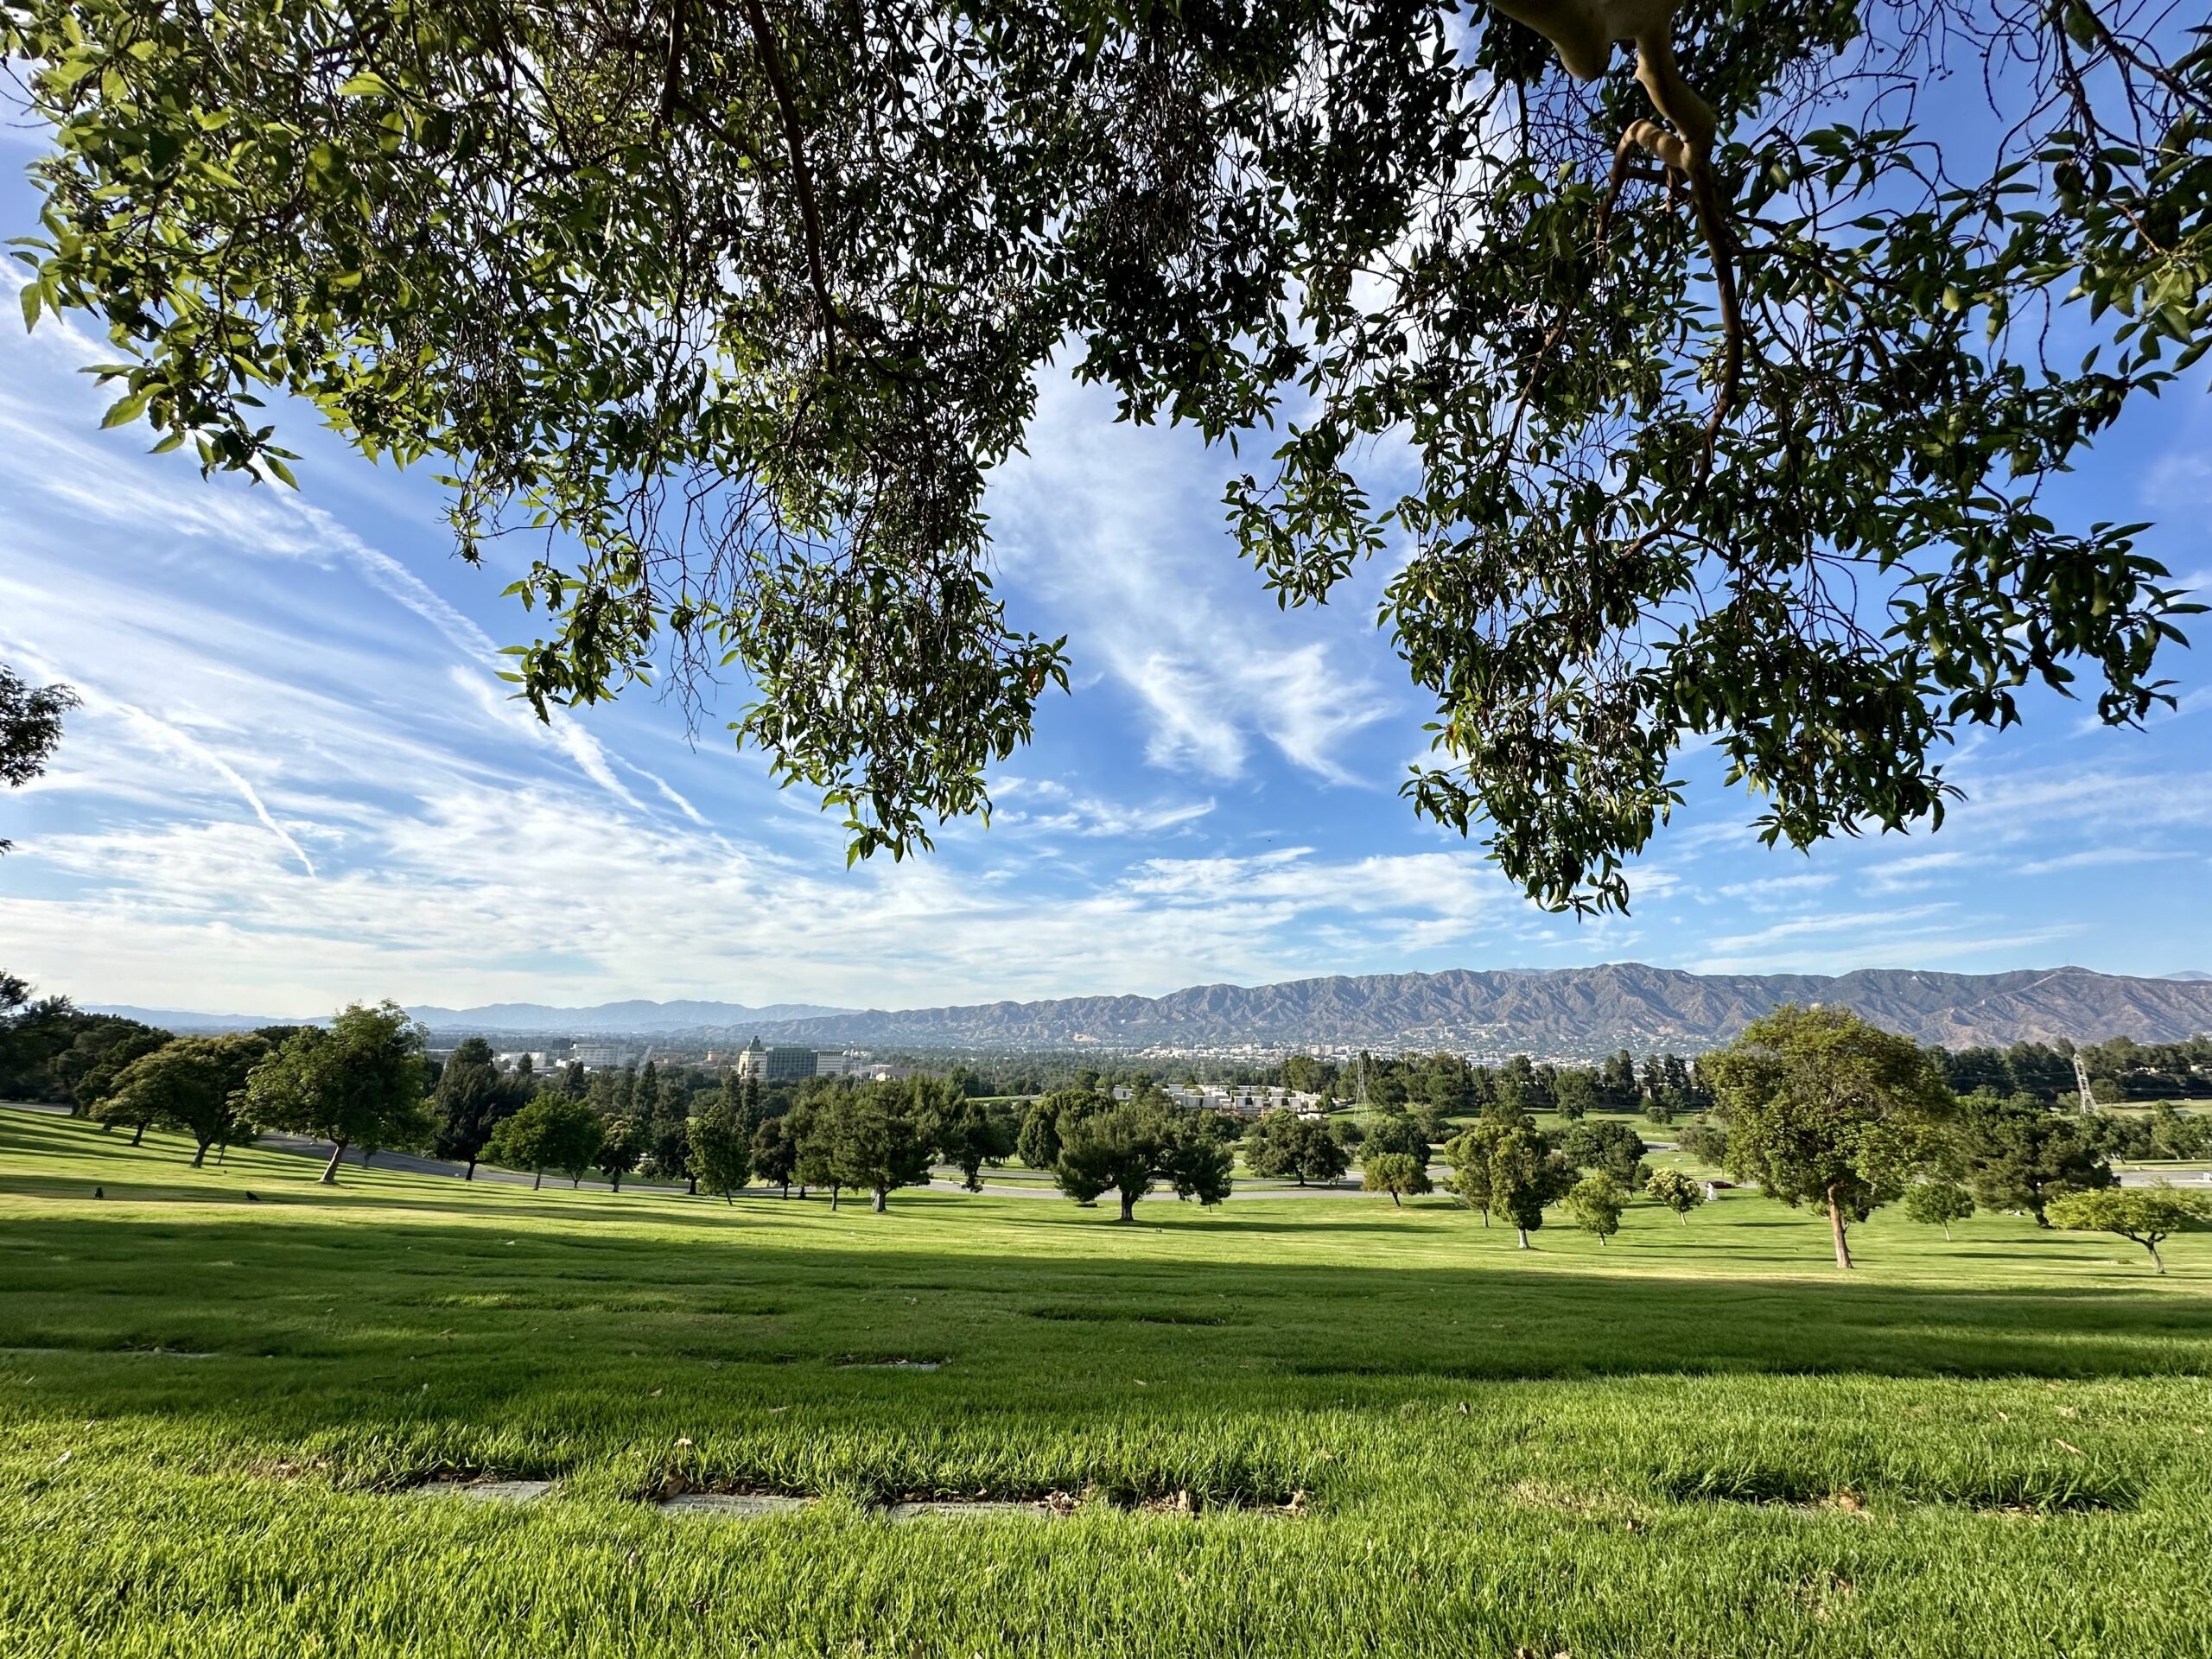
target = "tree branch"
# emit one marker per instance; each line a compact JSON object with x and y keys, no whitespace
{"x":771,"y":65}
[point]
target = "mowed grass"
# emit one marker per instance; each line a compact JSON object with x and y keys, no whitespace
{"x":1701,"y":1441}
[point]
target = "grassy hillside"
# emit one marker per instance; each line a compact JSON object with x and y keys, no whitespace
{"x":217,"y":1418}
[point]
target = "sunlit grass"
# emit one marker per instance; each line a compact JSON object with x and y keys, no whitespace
{"x":1700,"y":1440}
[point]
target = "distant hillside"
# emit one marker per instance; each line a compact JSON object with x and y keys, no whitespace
{"x":182,"y":1019}
{"x":520,"y":1019}
{"x":619,"y":1018}
{"x":1562,"y":1012}
{"x":1567,"y":1011}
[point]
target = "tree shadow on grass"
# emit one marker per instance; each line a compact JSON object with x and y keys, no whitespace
{"x":273,"y":1284}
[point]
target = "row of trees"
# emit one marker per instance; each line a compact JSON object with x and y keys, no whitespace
{"x":1091,"y":1144}
{"x":871,"y":1137}
{"x":1819,"y":1107}
{"x":1443,"y":1085}
{"x":1815,"y":1106}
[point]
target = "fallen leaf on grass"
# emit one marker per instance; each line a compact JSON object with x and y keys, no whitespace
{"x":2068,"y":1445}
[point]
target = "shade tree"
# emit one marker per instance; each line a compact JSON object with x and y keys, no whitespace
{"x":1129,"y":1147}
{"x":1610,"y":1145}
{"x":1938,"y":1204}
{"x":1679,"y":1193}
{"x":1396,"y":1131}
{"x":968,"y":1133}
{"x":1398,"y":1174}
{"x":870,"y":1139}
{"x":358,"y":1081}
{"x":1821,"y":1106}
{"x":1525,"y":1177}
{"x":1706,"y":1143}
{"x":1282,"y":1145}
{"x":470,"y":1098}
{"x":775,"y":1153}
{"x":1049,"y":1119}
{"x":2021,"y":1155}
{"x":1712,"y":334}
{"x":1468,"y":1154}
{"x":623,"y":1143}
{"x":666,"y":1117}
{"x":196,"y":1084}
{"x":719,"y":1153}
{"x":1595,"y":1202}
{"x":2145,"y":1215}
{"x":552,"y":1130}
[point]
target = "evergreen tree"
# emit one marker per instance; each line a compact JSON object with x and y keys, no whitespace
{"x":775,"y":1153}
{"x":721,"y":1143}
{"x":470,"y":1099}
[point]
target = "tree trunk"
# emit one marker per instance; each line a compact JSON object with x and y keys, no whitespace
{"x":883,"y":1201}
{"x":1682,"y":1216}
{"x":835,"y":1193}
{"x":1395,"y":1203}
{"x":729,"y":1200}
{"x":537,"y":1179}
{"x":1128,"y":1206}
{"x":223,"y":1154}
{"x":199,"y":1158}
{"x":1836,"y":1227}
{"x":1601,"y":1241}
{"x":471,"y":1175}
{"x":139,"y":1134}
{"x":614,"y":1180}
{"x":2158,"y":1262}
{"x":1946,"y":1232}
{"x":1525,"y":1244}
{"x":330,"y":1169}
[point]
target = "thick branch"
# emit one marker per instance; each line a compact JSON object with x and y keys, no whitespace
{"x":771,"y":65}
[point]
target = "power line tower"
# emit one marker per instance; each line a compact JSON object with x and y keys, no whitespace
{"x":2087,"y":1099}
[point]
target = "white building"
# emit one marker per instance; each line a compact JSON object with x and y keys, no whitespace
{"x":1245,"y":1100}
{"x":786,"y":1060}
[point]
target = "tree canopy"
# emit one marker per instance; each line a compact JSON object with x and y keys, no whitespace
{"x":358,"y":1081}
{"x":2147,"y":1215}
{"x":1821,"y":1105}
{"x":1709,"y":396}
{"x":30,"y":723}
{"x":193,"y":1084}
{"x":1128,"y":1147}
{"x":552,"y":1131}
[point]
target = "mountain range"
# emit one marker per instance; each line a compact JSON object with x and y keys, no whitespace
{"x":1561,"y":1012}
{"x":1566,"y":1011}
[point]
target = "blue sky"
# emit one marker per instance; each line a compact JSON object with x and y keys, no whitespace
{"x":296,"y":779}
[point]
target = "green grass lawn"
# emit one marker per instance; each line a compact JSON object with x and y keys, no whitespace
{"x":1702,"y":1441}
